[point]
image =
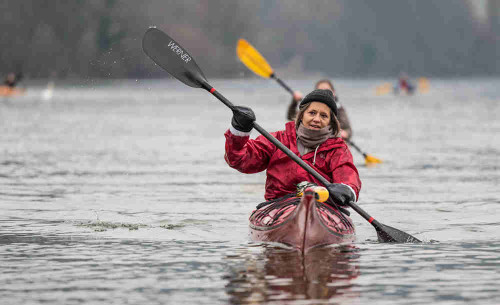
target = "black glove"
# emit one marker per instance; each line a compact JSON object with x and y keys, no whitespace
{"x":340,"y":193}
{"x":243,"y":118}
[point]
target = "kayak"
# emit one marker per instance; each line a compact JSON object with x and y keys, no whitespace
{"x":8,"y":91}
{"x":302,"y":223}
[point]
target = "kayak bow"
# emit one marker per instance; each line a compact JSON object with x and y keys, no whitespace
{"x":8,"y":91}
{"x":301,"y":223}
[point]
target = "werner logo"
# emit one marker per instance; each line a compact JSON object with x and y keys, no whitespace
{"x":176,"y":49}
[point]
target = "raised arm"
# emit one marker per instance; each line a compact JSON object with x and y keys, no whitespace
{"x":292,"y":108}
{"x":245,"y":155}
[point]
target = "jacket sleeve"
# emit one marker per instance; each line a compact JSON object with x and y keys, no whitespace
{"x":344,"y":171}
{"x":246,"y":155}
{"x":292,"y":110}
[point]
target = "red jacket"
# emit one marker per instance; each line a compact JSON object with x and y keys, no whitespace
{"x":333,"y":161}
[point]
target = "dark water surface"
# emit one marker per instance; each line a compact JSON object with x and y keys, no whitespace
{"x":119,"y":194}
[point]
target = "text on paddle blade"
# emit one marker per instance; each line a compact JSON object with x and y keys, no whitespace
{"x":176,"y":49}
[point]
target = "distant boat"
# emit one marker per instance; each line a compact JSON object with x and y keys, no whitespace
{"x":385,"y":88}
{"x":9,"y":91}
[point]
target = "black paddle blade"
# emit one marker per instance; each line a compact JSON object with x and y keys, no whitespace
{"x":169,"y":55}
{"x":387,"y":234}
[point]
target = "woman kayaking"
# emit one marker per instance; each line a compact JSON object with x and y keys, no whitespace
{"x":9,"y":85}
{"x":404,"y":85}
{"x":313,"y":136}
{"x":12,"y":79}
{"x":345,"y":125}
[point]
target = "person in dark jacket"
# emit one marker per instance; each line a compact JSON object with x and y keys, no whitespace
{"x":404,"y":85}
{"x":12,"y":79}
{"x":345,"y":125}
{"x":313,"y":136}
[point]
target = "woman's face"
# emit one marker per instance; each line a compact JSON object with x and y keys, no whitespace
{"x":316,"y":116}
{"x":325,"y":86}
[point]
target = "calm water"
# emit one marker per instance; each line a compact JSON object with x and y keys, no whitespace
{"x":119,"y":194}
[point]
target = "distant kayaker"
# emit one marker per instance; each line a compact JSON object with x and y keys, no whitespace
{"x":345,"y":125}
{"x":12,"y":79}
{"x":313,"y":136}
{"x":404,"y":85}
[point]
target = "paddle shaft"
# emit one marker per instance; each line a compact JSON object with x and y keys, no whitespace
{"x":282,"y":83}
{"x":357,"y":148}
{"x":290,"y":154}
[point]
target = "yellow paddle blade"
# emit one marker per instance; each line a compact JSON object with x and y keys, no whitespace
{"x":371,"y":159}
{"x":423,"y":84}
{"x":252,"y":59}
{"x":383,"y":89}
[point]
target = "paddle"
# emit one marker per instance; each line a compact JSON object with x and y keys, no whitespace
{"x":258,"y":64}
{"x":383,"y":89}
{"x":173,"y":58}
{"x":368,"y":159}
{"x":423,"y":84}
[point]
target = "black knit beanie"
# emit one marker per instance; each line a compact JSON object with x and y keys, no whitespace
{"x":321,"y":96}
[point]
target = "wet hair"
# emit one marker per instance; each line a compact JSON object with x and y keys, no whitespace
{"x":334,"y":122}
{"x":324,"y":81}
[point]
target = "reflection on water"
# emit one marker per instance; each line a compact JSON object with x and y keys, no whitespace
{"x":285,"y":275}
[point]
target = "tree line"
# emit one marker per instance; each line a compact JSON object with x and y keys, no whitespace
{"x":102,"y":38}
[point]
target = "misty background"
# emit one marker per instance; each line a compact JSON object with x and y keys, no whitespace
{"x":102,"y":38}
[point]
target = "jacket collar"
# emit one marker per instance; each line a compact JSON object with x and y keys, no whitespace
{"x":327,"y":145}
